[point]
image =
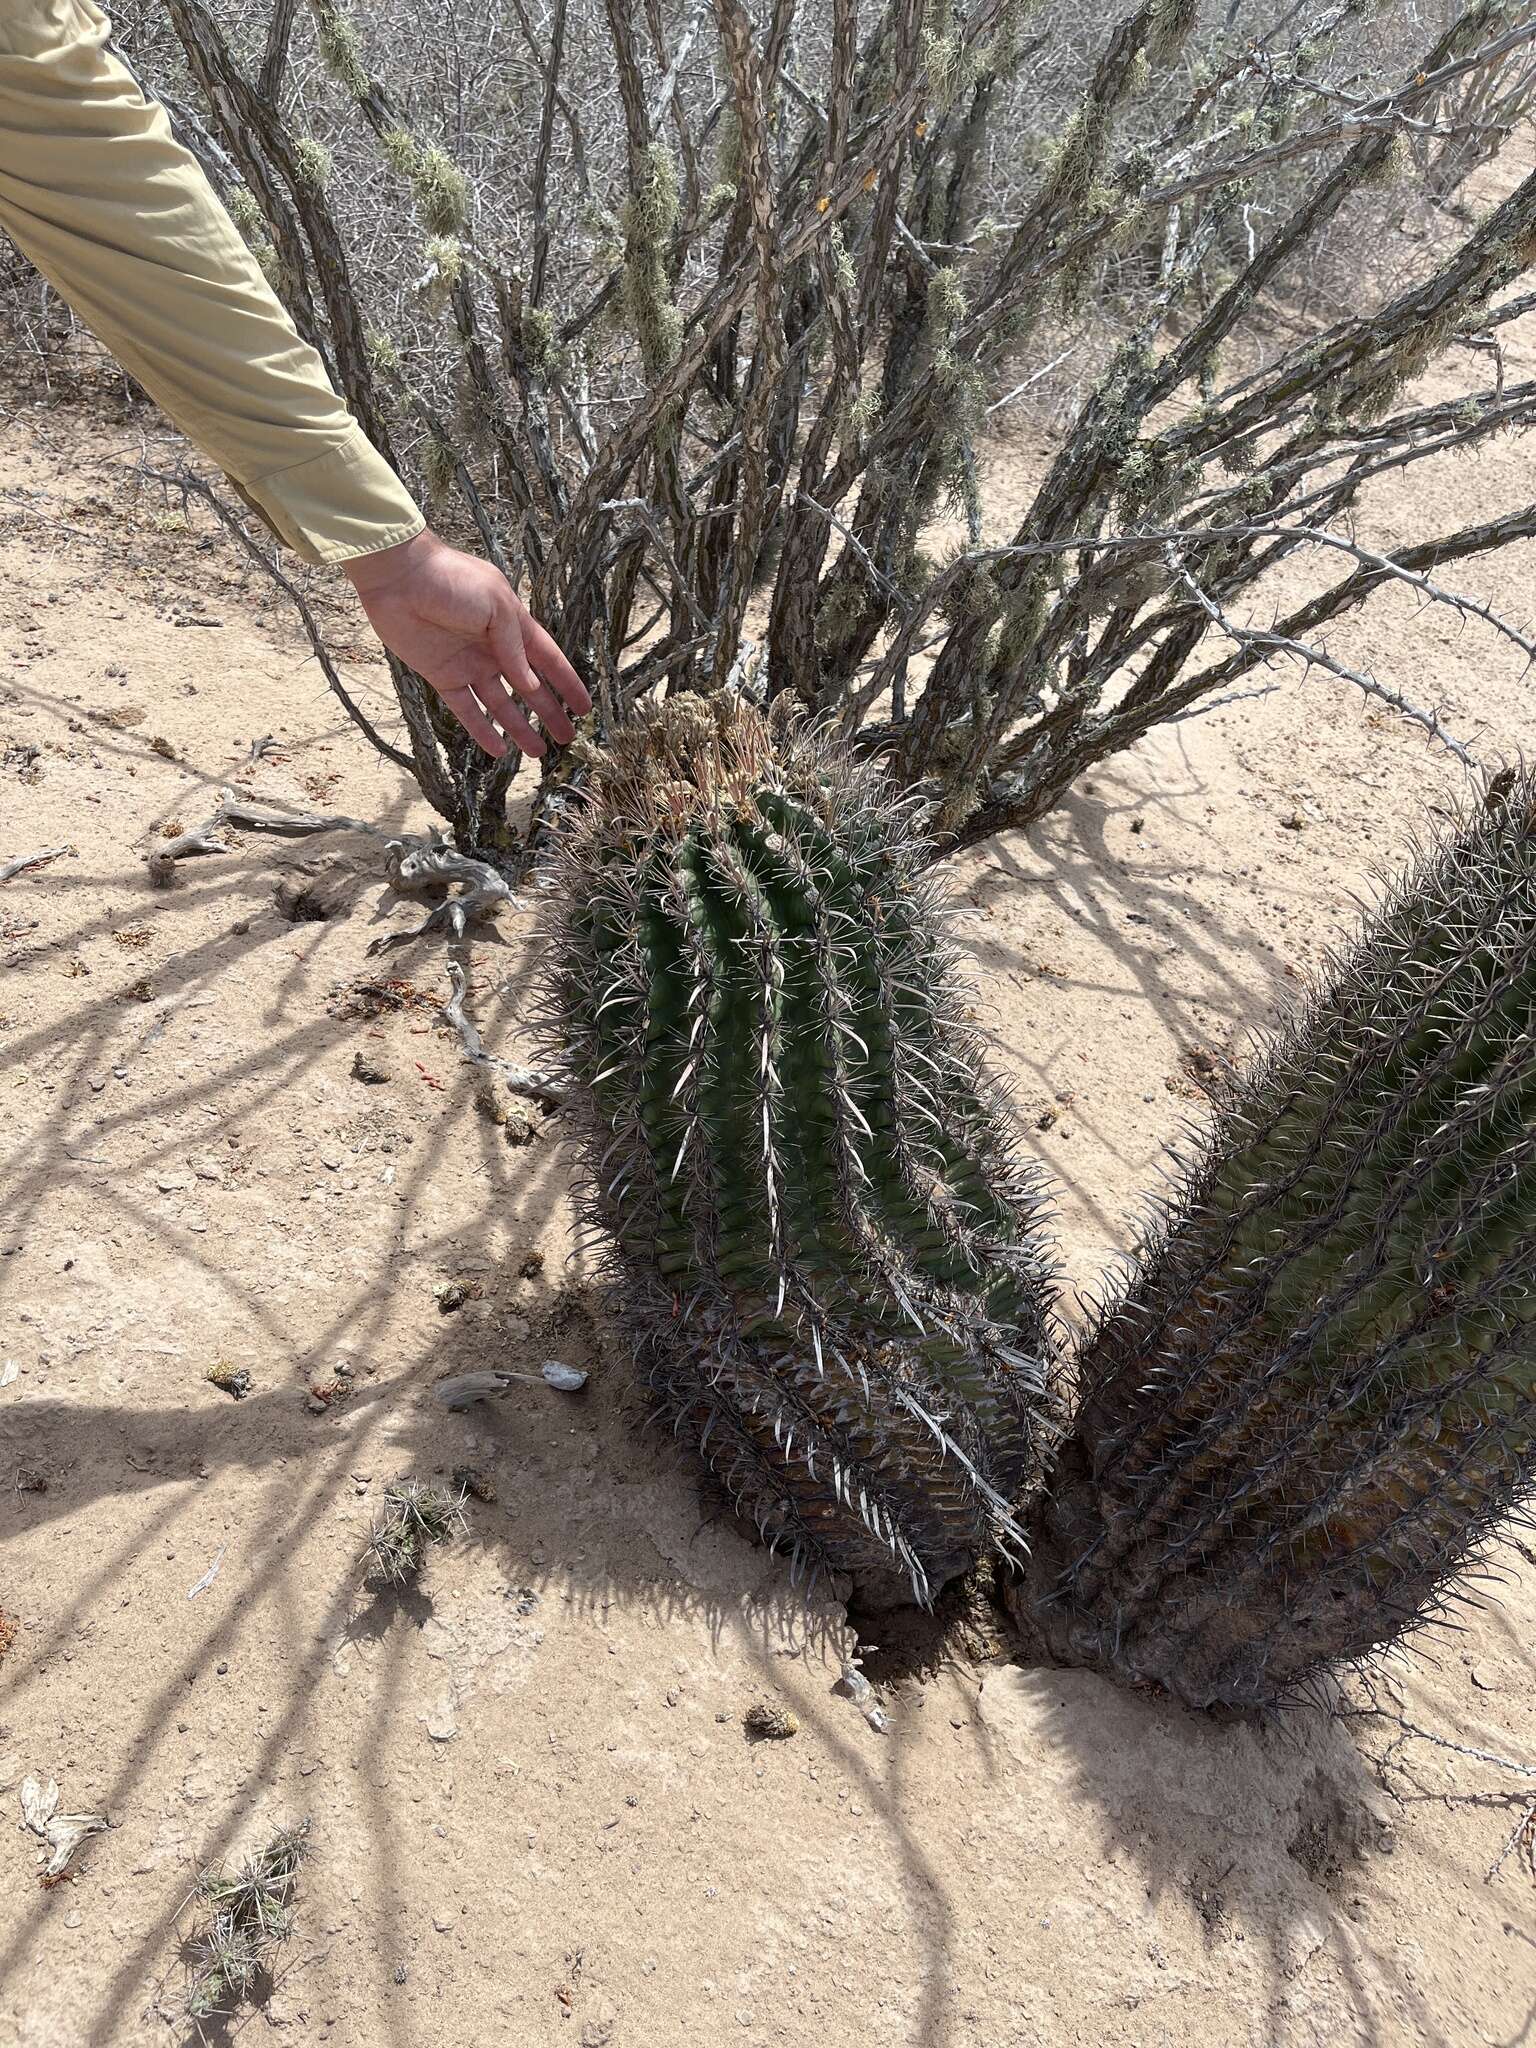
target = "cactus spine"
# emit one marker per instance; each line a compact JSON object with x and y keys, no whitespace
{"x":1318,"y":1392}
{"x":832,"y":1268}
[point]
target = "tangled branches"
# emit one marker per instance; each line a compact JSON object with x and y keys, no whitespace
{"x":708,"y":371}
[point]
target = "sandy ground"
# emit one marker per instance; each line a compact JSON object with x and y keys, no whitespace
{"x":535,"y":1814}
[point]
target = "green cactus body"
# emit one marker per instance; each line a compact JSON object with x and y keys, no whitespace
{"x":1317,"y":1392}
{"x":833,"y":1270}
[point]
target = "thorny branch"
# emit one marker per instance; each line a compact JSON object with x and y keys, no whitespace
{"x":1263,"y":643}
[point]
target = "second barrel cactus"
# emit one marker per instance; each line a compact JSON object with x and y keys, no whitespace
{"x":832,"y":1265}
{"x":1317,"y":1394}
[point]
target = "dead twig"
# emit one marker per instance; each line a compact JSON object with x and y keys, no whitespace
{"x":235,"y":813}
{"x":26,"y":861}
{"x":531,"y":1081}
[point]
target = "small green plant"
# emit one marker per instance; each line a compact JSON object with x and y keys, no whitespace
{"x":250,"y":1915}
{"x":1316,"y":1397}
{"x":415,"y":1517}
{"x":831,"y":1261}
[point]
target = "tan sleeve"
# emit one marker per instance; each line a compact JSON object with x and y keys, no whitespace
{"x":120,"y":219}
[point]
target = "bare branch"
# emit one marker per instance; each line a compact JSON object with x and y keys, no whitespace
{"x":1264,"y":643}
{"x":24,"y":862}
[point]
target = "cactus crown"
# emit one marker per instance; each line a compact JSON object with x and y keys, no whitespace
{"x":833,"y":1268}
{"x":1318,"y":1393}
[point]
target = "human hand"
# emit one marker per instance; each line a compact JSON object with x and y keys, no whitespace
{"x":458,"y":622}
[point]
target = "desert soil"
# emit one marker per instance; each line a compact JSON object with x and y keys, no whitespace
{"x":535,"y":1814}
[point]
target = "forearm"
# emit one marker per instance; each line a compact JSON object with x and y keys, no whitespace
{"x":97,"y":193}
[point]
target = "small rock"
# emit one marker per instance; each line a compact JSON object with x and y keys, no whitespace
{"x":241,"y":926}
{"x":570,"y":1379}
{"x":440,"y":1723}
{"x":220,"y":1669}
{"x":316,"y":1406}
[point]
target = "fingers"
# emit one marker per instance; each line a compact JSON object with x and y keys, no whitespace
{"x":487,"y":710}
{"x":512,"y":637}
{"x":474,"y":721}
{"x":547,"y":658}
{"x":504,"y":709}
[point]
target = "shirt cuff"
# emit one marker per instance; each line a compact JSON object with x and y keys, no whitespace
{"x":337,"y":505}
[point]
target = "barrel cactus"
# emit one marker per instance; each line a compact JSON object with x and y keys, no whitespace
{"x":831,"y":1264}
{"x":1317,"y":1394}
